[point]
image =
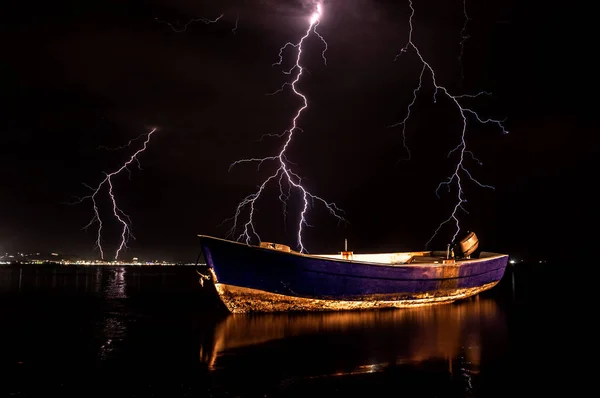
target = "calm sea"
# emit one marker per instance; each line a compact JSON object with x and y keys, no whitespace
{"x":154,"y":331}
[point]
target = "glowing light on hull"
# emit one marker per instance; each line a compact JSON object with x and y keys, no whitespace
{"x":240,"y":300}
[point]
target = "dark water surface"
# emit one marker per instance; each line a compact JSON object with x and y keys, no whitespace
{"x":154,"y":331}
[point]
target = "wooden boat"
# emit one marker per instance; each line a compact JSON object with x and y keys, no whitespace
{"x":271,"y":277}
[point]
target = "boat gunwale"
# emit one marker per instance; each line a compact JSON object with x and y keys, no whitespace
{"x":489,"y":256}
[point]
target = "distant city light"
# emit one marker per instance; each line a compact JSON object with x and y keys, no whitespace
{"x":51,"y":258}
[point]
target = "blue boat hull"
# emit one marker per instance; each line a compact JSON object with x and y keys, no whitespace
{"x":250,"y":278}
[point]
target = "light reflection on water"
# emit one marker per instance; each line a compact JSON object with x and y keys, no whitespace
{"x":114,"y":325}
{"x":160,"y":321}
{"x":349,"y":343}
{"x":109,"y":284}
{"x":116,"y":286}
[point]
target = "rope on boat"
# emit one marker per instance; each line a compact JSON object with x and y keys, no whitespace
{"x":203,"y":277}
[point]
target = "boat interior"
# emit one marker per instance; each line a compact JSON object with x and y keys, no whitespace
{"x":463,"y":250}
{"x":383,"y":258}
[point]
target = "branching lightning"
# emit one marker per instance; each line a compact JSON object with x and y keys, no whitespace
{"x":464,"y":36}
{"x":107,"y":185}
{"x":205,"y":21}
{"x":131,"y":141}
{"x":460,"y":170}
{"x":237,"y":21}
{"x":285,"y":177}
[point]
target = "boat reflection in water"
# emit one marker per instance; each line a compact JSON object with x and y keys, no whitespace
{"x":348,"y":343}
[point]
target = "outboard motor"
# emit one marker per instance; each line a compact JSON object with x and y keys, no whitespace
{"x":467,"y":245}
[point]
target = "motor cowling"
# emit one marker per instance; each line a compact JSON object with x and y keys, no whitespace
{"x":467,"y":245}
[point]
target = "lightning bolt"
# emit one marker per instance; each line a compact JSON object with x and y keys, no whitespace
{"x":205,"y":21}
{"x":107,"y":185}
{"x":237,"y":21}
{"x":460,"y":170}
{"x":464,"y":36}
{"x":131,"y":141}
{"x":285,"y":177}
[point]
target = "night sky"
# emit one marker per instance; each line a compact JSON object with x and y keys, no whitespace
{"x":80,"y":75}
